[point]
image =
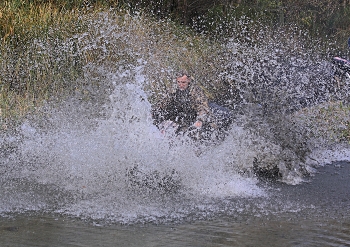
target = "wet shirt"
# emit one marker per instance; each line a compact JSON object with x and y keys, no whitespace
{"x":187,"y":106}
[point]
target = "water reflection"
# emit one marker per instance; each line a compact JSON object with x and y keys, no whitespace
{"x":288,"y":230}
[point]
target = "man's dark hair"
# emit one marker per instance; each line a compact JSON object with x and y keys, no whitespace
{"x":183,"y":73}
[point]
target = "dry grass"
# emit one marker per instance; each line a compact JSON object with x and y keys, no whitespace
{"x":30,"y":65}
{"x":329,"y":121}
{"x":163,"y":48}
{"x":40,"y":60}
{"x":23,"y":19}
{"x":33,"y":70}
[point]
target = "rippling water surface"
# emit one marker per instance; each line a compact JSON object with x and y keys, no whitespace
{"x":311,"y":214}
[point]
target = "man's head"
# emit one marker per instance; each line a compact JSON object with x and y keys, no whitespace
{"x":183,"y":81}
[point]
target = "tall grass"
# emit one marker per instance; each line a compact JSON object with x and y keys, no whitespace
{"x":36,"y":61}
{"x":42,"y":52}
{"x":164,"y":46}
{"x":41,"y":57}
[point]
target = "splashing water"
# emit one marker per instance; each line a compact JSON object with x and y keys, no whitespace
{"x":89,"y":168}
{"x":106,"y":161}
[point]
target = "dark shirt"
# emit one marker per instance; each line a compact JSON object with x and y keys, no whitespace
{"x":185,"y":107}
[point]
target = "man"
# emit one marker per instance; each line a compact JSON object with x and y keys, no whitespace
{"x":187,"y":105}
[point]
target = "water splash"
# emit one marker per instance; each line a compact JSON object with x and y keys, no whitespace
{"x":89,"y":167}
{"x":104,"y":159}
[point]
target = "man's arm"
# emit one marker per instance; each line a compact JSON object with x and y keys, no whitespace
{"x":201,"y":105}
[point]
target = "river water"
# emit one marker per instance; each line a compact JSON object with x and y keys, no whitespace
{"x":95,"y":171}
{"x":105,"y":181}
{"x":317,"y":215}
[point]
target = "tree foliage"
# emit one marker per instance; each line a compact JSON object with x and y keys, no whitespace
{"x":324,"y":17}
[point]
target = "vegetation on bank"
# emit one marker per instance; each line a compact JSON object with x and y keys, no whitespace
{"x":30,"y":73}
{"x":330,"y":120}
{"x":318,"y":17}
{"x":33,"y":69}
{"x":43,"y":52}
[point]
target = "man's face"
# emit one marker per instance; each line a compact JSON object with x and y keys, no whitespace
{"x":183,"y":82}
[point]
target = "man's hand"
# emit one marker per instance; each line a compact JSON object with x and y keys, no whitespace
{"x":198,"y":124}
